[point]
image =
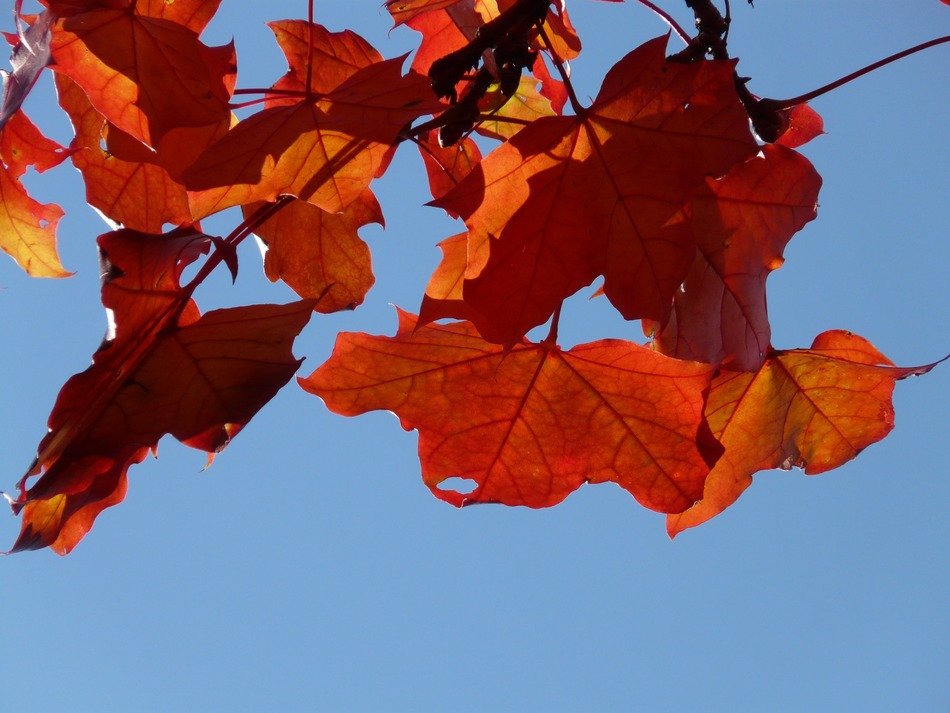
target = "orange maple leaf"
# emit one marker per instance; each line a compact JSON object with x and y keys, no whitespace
{"x":532,"y":424}
{"x":446,"y":166}
{"x":812,"y":408}
{"x":570,"y":198}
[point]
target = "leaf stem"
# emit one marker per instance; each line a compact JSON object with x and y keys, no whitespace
{"x":555,"y":321}
{"x":272,"y":90}
{"x":234,"y":238}
{"x":668,"y":19}
{"x":309,"y":46}
{"x":808,"y":96}
{"x":579,"y":109}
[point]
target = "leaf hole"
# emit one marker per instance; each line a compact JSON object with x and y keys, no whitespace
{"x":462,"y":486}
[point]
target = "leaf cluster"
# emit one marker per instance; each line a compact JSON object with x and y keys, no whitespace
{"x":676,"y":187}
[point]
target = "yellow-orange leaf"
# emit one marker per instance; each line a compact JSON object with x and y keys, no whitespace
{"x":812,"y":408}
{"x":28,"y":229}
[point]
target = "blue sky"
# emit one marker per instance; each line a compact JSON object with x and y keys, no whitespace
{"x":310,"y":568}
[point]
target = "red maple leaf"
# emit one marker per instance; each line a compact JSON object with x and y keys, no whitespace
{"x":604,"y":192}
{"x":164,"y":369}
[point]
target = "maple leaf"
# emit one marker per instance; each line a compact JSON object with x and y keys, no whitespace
{"x":164,"y":369}
{"x":532,"y":424}
{"x":147,"y":74}
{"x":320,"y":254}
{"x":812,"y":408}
{"x":742,"y":223}
{"x":336,"y":55}
{"x":569,"y":198}
{"x":323,"y":147}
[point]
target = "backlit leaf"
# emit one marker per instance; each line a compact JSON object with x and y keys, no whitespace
{"x":531,"y":425}
{"x":147,"y":75}
{"x":319,"y":254}
{"x":811,"y":408}
{"x":569,"y":198}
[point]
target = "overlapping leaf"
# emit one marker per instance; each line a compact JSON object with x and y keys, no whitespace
{"x":319,"y":254}
{"x":570,"y":198}
{"x":741,"y":225}
{"x":531,"y":425}
{"x":147,"y":74}
{"x":164,"y":369}
{"x":136,"y":192}
{"x":325,"y":147}
{"x":811,"y":408}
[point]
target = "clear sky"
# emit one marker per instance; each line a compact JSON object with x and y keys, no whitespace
{"x":310,"y":568}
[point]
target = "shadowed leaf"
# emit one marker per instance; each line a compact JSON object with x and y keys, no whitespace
{"x":742,"y":224}
{"x":164,"y":369}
